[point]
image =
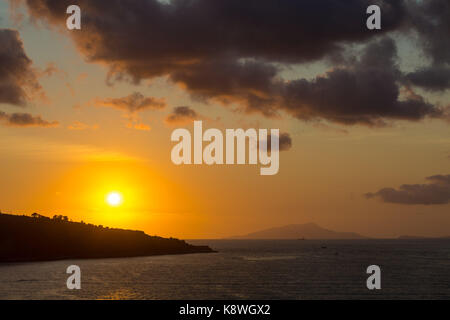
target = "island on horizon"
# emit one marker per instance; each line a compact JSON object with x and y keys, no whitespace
{"x":307,"y":231}
{"x":40,"y":238}
{"x":312,"y":231}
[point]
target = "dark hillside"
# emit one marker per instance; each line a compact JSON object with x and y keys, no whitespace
{"x":38,"y":238}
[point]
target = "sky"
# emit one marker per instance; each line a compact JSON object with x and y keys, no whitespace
{"x":84,"y":113}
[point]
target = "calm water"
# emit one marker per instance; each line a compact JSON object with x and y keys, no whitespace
{"x":411,"y":269}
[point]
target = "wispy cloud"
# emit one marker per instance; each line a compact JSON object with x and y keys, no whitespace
{"x":77,"y":125}
{"x":25,"y":120}
{"x":437,"y":191}
{"x":132,"y":103}
{"x":182,"y":115}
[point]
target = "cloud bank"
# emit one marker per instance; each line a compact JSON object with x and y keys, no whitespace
{"x":232,"y":52}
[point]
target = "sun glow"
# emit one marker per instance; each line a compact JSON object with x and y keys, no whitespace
{"x":114,"y":199}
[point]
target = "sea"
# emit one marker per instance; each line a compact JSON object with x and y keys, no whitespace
{"x":248,"y":269}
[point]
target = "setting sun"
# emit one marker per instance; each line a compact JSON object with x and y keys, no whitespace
{"x":114,"y":199}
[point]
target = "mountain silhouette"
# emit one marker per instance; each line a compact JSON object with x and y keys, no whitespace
{"x":39,"y":238}
{"x":407,"y":237}
{"x":300,"y":231}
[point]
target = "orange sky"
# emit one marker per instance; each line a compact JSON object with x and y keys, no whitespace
{"x":69,"y":169}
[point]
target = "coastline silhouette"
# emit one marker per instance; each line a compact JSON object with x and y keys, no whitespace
{"x":40,"y":238}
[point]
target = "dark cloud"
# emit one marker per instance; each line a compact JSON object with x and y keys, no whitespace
{"x":437,"y":191}
{"x":362,"y":91}
{"x":232,"y":51}
{"x":25,"y":120}
{"x":435,"y":78}
{"x":149,"y":37}
{"x":431,"y":20}
{"x":18,"y":79}
{"x":182,"y":115}
{"x":365,"y":91}
{"x":132,"y":103}
{"x":250,"y":84}
{"x":284,"y":142}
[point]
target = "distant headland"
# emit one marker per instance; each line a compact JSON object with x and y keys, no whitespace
{"x":39,"y":238}
{"x":306,"y":231}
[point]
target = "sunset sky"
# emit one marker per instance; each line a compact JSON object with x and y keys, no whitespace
{"x":84,"y":113}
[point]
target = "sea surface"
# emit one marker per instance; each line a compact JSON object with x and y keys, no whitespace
{"x":248,"y":269}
